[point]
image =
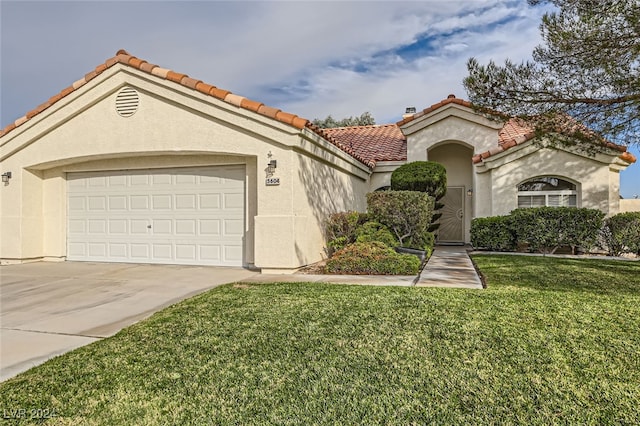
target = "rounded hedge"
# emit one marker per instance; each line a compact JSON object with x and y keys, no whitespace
{"x":372,"y":258}
{"x":423,"y":176}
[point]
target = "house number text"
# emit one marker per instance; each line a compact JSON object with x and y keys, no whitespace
{"x":272,"y":181}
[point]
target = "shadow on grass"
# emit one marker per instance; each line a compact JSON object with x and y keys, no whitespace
{"x":559,"y":274}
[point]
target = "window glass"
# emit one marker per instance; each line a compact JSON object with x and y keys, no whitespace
{"x":547,"y":191}
{"x":546,"y":183}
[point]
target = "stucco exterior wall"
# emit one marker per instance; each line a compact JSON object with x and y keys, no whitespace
{"x":451,"y":123}
{"x":173,"y":127}
{"x":381,"y":176}
{"x":629,"y":205}
{"x":595,"y":182}
{"x":317,"y":189}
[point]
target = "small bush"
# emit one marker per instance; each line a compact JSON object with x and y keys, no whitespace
{"x":545,"y":229}
{"x":374,"y":231}
{"x":341,"y":229}
{"x":621,"y":234}
{"x":406,"y":213}
{"x":373,"y":258}
{"x":493,"y":233}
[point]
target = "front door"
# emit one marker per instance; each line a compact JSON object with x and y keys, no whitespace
{"x":452,"y":220}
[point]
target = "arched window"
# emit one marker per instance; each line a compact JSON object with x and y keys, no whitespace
{"x":547,"y":191}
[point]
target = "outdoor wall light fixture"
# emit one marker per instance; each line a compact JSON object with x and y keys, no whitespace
{"x":469,"y":192}
{"x":5,"y":177}
{"x":271,"y":166}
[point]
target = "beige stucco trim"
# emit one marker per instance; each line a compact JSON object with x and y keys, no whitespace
{"x":450,"y":110}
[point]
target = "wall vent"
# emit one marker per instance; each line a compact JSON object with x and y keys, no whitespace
{"x":127,"y":102}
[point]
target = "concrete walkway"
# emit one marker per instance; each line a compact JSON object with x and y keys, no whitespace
{"x":449,"y":266}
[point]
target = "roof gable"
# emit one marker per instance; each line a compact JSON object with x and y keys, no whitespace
{"x":122,"y":57}
{"x":514,"y":132}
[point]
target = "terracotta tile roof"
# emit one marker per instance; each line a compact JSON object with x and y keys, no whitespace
{"x":122,"y":57}
{"x":367,"y":144}
{"x":370,"y":144}
{"x":516,"y":132}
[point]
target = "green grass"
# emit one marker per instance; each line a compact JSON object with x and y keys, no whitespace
{"x":551,"y":341}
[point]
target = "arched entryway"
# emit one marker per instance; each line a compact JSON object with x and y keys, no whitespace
{"x":455,"y":221}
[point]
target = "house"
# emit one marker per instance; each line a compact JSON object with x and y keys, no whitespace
{"x":138,"y":163}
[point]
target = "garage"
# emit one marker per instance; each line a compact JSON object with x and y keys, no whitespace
{"x":188,"y":216}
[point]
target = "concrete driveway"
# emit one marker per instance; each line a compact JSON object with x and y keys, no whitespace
{"x":47,"y":309}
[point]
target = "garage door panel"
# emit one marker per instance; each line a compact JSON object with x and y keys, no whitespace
{"x":97,"y":226}
{"x":139,"y":202}
{"x":186,"y":227}
{"x":139,"y":180}
{"x":97,"y":203}
{"x":76,"y":250}
{"x":233,"y":228}
{"x":118,"y":251}
{"x":162,"y":252}
{"x":233,"y":201}
{"x":97,"y":250}
{"x":186,"y":252}
{"x":77,"y":226}
{"x":118,"y":226}
{"x":232,"y":253}
{"x":185,"y":216}
{"x":97,"y":182}
{"x":185,"y":201}
{"x":209,"y":253}
{"x":117,"y":181}
{"x":139,"y":227}
{"x":139,"y":251}
{"x":162,"y":202}
{"x":210,"y":227}
{"x":117,"y":202}
{"x":209,"y":201}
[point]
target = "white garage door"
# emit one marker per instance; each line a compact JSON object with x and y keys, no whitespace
{"x":189,"y":216}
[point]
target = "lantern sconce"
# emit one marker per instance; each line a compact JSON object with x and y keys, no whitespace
{"x":5,"y":177}
{"x":271,"y":166}
{"x":469,"y":192}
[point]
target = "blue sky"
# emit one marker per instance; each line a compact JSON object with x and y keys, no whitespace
{"x":308,"y":58}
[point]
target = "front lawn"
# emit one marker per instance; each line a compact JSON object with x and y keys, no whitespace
{"x":551,"y":341}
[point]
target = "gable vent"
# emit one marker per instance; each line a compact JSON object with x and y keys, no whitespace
{"x":127,"y":102}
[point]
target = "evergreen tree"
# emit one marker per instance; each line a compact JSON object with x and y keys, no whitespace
{"x":588,"y":68}
{"x":364,"y":120}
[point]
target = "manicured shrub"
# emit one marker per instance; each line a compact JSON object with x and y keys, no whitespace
{"x":621,"y":234}
{"x":407,"y":214}
{"x":493,"y":233}
{"x":423,"y":176}
{"x":546,"y":229}
{"x":373,"y":258}
{"x":374,"y":231}
{"x":341,"y":229}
